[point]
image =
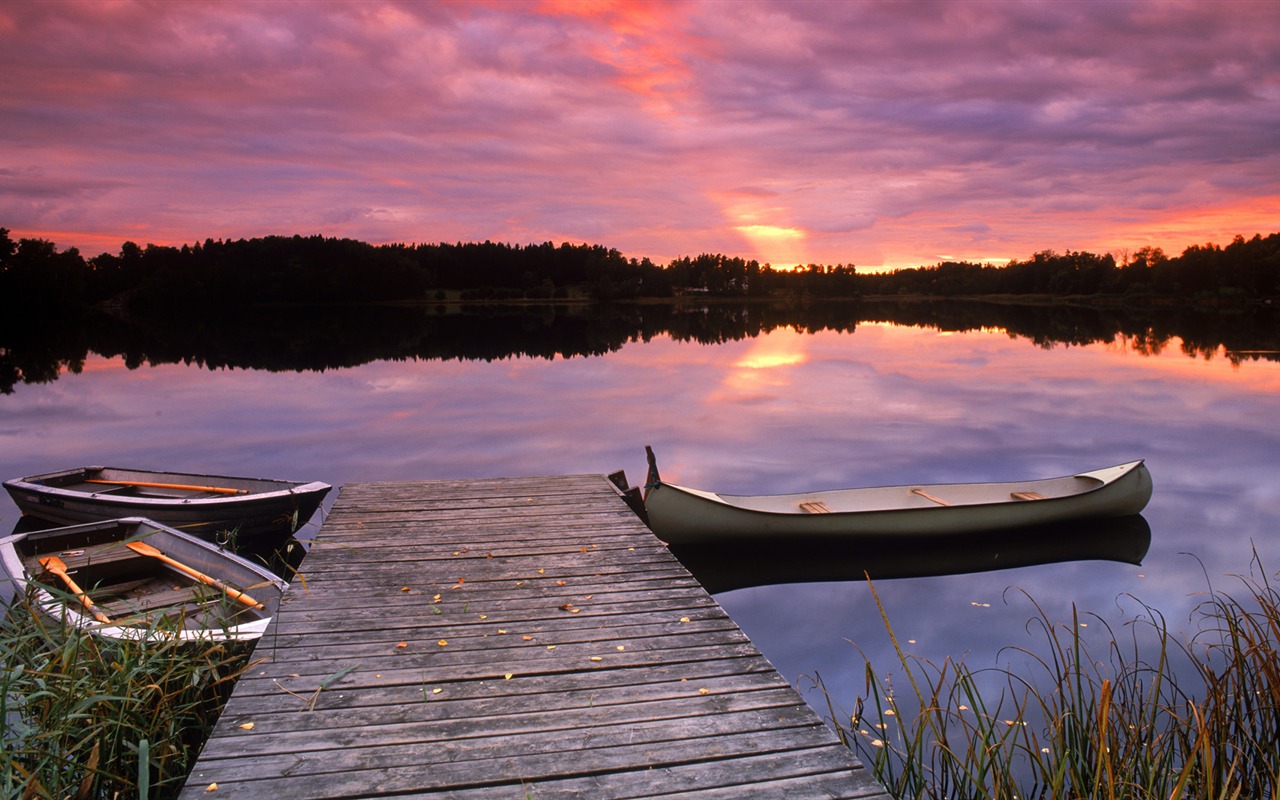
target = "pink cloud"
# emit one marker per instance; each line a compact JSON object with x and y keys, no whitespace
{"x":866,"y":132}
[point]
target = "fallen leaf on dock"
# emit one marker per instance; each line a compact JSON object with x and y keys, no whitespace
{"x":561,"y":583}
{"x":248,"y":726}
{"x":704,"y":690}
{"x":404,"y":588}
{"x":442,"y":642}
{"x":684,"y":619}
{"x":402,"y":644}
{"x":213,"y":787}
{"x":595,"y":658}
{"x":508,"y":676}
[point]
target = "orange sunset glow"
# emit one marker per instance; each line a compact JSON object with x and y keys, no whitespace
{"x":883,"y":135}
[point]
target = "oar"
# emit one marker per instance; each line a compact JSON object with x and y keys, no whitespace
{"x":59,"y":567}
{"x":235,"y":594}
{"x":184,"y":486}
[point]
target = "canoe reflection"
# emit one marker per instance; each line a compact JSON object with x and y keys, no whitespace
{"x":739,"y":564}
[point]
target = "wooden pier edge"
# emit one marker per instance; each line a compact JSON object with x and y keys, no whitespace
{"x":510,"y":638}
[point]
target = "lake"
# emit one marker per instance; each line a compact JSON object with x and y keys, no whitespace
{"x":770,"y":408}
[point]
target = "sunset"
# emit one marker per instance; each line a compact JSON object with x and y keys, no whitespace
{"x":639,"y":398}
{"x":878,"y":134}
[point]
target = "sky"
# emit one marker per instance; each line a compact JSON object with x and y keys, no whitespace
{"x":880,"y":134}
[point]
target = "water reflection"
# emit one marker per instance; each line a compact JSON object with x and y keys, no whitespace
{"x":801,"y":406}
{"x":721,"y":568}
{"x":291,"y":339}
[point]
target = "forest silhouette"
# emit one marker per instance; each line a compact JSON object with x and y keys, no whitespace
{"x":297,"y":270}
{"x":295,"y":303}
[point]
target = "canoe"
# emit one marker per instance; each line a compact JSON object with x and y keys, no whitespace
{"x":90,"y":576}
{"x":253,"y":511}
{"x":677,"y":514}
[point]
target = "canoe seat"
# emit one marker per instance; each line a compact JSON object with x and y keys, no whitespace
{"x":928,"y":496}
{"x":815,"y":507}
{"x":1028,"y":496}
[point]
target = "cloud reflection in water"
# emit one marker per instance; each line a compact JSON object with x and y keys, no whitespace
{"x":784,"y":412}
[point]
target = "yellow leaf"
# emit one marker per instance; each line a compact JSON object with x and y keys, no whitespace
{"x":595,"y":658}
{"x":213,"y":787}
{"x":551,"y":647}
{"x":501,"y":631}
{"x":404,"y":588}
{"x":684,"y":619}
{"x":402,"y":644}
{"x":527,"y":638}
{"x":508,"y":676}
{"x":704,"y":690}
{"x":437,"y":691}
{"x":248,"y":726}
{"x":620,"y":648}
{"x":561,"y":583}
{"x":442,"y":642}
{"x":541,"y":571}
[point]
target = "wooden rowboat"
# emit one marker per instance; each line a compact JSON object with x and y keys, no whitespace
{"x":679,"y":515}
{"x":256,"y":511}
{"x":133,"y":578}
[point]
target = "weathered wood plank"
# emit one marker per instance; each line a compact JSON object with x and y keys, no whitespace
{"x":510,"y":638}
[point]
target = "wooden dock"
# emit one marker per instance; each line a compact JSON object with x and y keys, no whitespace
{"x":525,"y":638}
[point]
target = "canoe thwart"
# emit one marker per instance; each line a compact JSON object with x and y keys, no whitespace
{"x":815,"y":507}
{"x":930,"y":497}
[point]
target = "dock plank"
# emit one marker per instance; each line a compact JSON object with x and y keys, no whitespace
{"x":510,"y":638}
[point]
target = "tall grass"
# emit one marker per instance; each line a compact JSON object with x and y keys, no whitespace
{"x":1148,"y":715}
{"x":86,"y":717}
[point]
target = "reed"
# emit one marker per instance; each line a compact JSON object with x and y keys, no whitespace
{"x":1146,"y":714}
{"x":88,"y":718}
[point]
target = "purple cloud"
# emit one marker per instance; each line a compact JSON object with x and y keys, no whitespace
{"x":878,"y":133}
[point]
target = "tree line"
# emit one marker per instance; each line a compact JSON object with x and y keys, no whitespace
{"x":35,"y":277}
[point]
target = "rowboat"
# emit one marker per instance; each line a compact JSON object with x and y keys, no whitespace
{"x":134,"y":578}
{"x":213,"y":507}
{"x":677,"y":514}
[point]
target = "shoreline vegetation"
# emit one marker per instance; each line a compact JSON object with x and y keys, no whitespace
{"x":96,"y":719}
{"x":299,"y":304}
{"x":273,"y":270}
{"x":1135,"y":713}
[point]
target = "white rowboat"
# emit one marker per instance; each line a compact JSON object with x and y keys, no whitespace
{"x":677,"y":514}
{"x":171,"y":586}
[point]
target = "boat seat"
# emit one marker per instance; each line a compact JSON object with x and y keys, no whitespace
{"x":1028,"y":496}
{"x":815,"y":507}
{"x":928,"y":496}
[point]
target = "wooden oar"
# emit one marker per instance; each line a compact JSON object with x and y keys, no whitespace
{"x":235,"y":594}
{"x":59,"y":567}
{"x":184,"y":486}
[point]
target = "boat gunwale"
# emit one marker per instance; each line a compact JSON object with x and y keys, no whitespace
{"x":283,"y":488}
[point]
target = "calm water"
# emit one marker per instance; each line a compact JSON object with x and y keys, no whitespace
{"x":782,"y":412}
